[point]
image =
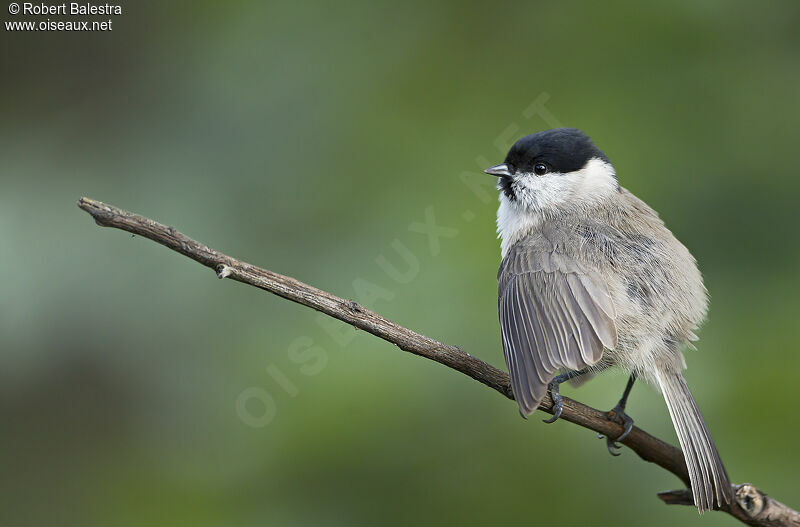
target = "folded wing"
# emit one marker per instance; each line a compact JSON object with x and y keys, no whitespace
{"x":554,"y":314}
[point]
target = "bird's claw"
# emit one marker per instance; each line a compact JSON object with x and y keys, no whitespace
{"x":618,"y":415}
{"x":558,"y":404}
{"x":611,"y":445}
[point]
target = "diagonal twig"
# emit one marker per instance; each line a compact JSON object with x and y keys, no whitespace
{"x":751,"y":505}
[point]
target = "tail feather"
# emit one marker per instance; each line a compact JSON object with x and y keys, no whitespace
{"x":710,"y":483}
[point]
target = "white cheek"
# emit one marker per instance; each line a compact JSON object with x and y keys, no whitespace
{"x":541,"y":193}
{"x":595,"y":181}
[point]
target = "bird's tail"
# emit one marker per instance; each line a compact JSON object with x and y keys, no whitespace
{"x":710,"y":483}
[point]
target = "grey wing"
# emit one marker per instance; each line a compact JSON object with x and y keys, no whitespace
{"x":553,"y":315}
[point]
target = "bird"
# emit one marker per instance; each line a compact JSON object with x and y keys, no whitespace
{"x":592,"y":279}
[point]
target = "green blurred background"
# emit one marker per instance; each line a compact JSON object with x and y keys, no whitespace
{"x":137,"y":389}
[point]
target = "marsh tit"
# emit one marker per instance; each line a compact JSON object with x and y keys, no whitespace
{"x":591,"y":278}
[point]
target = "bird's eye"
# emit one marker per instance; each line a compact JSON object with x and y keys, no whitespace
{"x":540,"y":169}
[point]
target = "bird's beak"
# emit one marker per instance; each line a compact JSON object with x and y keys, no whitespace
{"x":499,"y":170}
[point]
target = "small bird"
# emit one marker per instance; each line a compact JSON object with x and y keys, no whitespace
{"x":591,"y":278}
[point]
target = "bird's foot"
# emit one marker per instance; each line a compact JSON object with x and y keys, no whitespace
{"x":618,"y":415}
{"x":558,"y":404}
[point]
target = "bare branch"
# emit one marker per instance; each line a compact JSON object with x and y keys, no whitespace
{"x":752,"y":506}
